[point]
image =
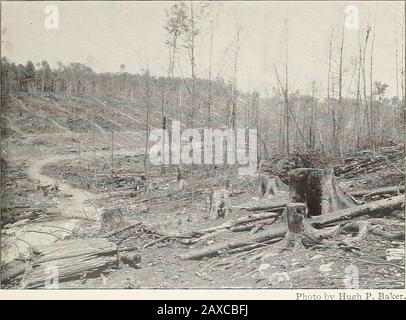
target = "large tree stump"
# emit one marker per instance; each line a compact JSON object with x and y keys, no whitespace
{"x":318,"y":189}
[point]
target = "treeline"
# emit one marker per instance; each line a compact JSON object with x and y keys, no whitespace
{"x":79,"y":80}
{"x":310,"y":116}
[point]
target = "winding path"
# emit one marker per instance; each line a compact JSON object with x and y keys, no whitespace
{"x":78,"y":197}
{"x":25,"y":235}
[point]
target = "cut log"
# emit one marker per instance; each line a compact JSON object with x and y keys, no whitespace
{"x":71,"y":259}
{"x":380,"y":206}
{"x":239,"y":221}
{"x":215,"y":250}
{"x":361,"y":228}
{"x":378,"y":191}
{"x":265,"y":205}
{"x":237,"y":225}
{"x":12,"y":270}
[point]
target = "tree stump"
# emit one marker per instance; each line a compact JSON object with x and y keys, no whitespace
{"x":318,"y":189}
{"x":269,"y":185}
{"x":300,"y":232}
{"x":296,"y":213}
{"x":219,"y":201}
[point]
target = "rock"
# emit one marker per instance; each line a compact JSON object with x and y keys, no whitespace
{"x":326,"y":267}
{"x":317,"y":256}
{"x":279,"y":277}
{"x":263,"y":267}
{"x":297,"y":272}
{"x":131,"y":259}
{"x":297,"y":264}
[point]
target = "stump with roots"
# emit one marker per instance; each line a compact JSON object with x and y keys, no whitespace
{"x":318,"y":189}
{"x":313,"y":192}
{"x":269,"y":185}
{"x":300,"y":233}
{"x":219,"y":201}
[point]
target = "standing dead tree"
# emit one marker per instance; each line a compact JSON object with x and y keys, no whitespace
{"x":234,"y":90}
{"x":147,"y":102}
{"x":340,"y":90}
{"x":330,"y":103}
{"x":367,"y":105}
{"x":371,"y":91}
{"x":286,"y":91}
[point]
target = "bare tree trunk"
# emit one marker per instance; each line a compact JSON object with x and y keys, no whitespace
{"x":234,"y":95}
{"x":357,"y":108}
{"x":42,"y":80}
{"x":192,"y":62}
{"x":147,"y":101}
{"x":366,"y":109}
{"x":112,"y":149}
{"x":340,"y":78}
{"x":340,"y":88}
{"x":371,"y":96}
{"x":313,"y":119}
{"x":287,"y":117}
{"x":163,"y":117}
{"x":210,"y":66}
{"x":397,"y":68}
{"x":330,"y":105}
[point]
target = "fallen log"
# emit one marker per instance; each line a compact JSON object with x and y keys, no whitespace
{"x":319,"y":221}
{"x":239,"y":221}
{"x":264,"y":205}
{"x":215,"y":250}
{"x":12,"y":270}
{"x":70,"y":259}
{"x":378,"y":191}
{"x":382,"y":206}
{"x":237,"y":225}
{"x":362,"y":228}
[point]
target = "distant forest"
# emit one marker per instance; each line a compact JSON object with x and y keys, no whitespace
{"x":311,"y":126}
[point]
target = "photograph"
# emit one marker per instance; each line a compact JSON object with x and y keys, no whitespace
{"x":203,"y":145}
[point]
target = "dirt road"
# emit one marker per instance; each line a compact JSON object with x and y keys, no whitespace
{"x":75,"y":209}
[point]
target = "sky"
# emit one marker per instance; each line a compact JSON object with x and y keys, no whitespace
{"x":106,"y":34}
